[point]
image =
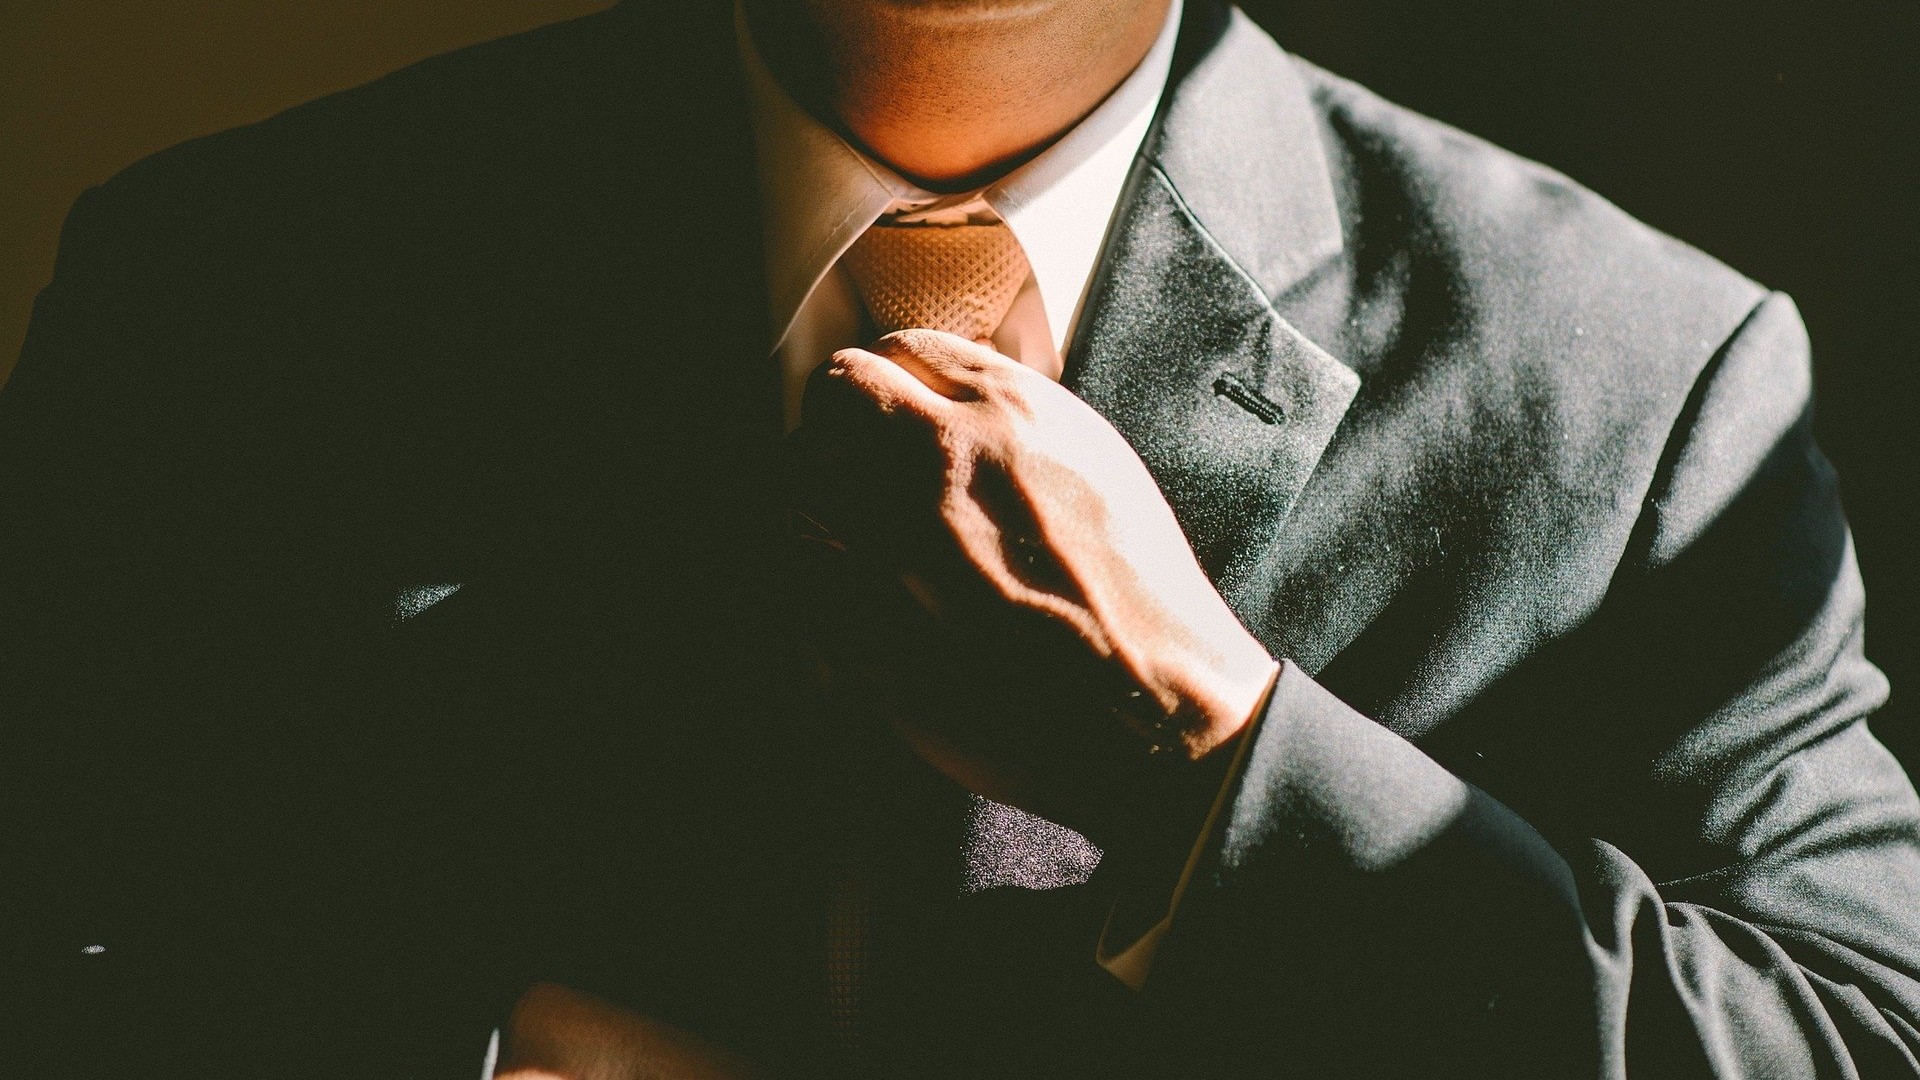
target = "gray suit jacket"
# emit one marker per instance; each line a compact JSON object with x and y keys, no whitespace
{"x":1567,"y":772}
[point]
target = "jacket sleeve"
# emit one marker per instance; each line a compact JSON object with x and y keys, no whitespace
{"x":1727,"y":883}
{"x":89,"y":427}
{"x":133,"y":648}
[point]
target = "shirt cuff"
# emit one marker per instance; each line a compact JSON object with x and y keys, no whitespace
{"x":491,"y":1060}
{"x":1130,"y":959}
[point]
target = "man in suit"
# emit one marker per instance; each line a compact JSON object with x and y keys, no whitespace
{"x":1362,"y":606}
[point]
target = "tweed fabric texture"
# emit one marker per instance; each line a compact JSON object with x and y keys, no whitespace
{"x":957,"y":278}
{"x":1007,"y":847}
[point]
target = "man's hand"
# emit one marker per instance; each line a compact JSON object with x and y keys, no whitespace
{"x":1071,"y":636}
{"x":559,"y":1034}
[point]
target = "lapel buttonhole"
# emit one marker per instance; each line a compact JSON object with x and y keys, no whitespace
{"x":1241,"y":393}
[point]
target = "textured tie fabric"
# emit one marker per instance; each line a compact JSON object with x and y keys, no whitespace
{"x":957,"y":278}
{"x":849,"y":932}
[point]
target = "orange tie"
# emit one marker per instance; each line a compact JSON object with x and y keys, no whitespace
{"x":957,"y":278}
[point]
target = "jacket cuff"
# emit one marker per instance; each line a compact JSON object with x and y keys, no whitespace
{"x":1328,"y":782}
{"x":1354,"y":878}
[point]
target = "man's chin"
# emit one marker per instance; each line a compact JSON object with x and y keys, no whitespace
{"x":949,"y":11}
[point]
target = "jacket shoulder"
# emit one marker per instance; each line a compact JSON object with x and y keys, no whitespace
{"x":455,"y":128}
{"x":1535,"y":365}
{"x":340,"y":235}
{"x":1532,"y":263}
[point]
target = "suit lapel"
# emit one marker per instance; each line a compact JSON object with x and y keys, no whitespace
{"x":1179,"y":345}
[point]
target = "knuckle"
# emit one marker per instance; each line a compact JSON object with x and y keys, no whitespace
{"x":844,"y":365}
{"x":956,"y":448}
{"x":1003,"y":387}
{"x":912,"y":341}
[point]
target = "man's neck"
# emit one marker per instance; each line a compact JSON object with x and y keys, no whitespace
{"x":953,"y":93}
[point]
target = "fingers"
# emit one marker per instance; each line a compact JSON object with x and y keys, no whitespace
{"x":956,"y":368}
{"x":886,"y":383}
{"x":942,"y":361}
{"x":920,"y":371}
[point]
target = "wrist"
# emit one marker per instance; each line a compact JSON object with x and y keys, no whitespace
{"x":1228,"y":699}
{"x":1192,"y":754}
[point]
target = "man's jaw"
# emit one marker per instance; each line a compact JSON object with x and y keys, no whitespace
{"x":958,"y":12}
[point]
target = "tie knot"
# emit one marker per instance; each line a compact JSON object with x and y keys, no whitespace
{"x":957,"y":278}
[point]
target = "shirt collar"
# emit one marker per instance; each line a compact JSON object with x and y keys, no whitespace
{"x":818,"y":193}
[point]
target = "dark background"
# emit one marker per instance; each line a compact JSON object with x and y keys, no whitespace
{"x":1779,"y":136}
